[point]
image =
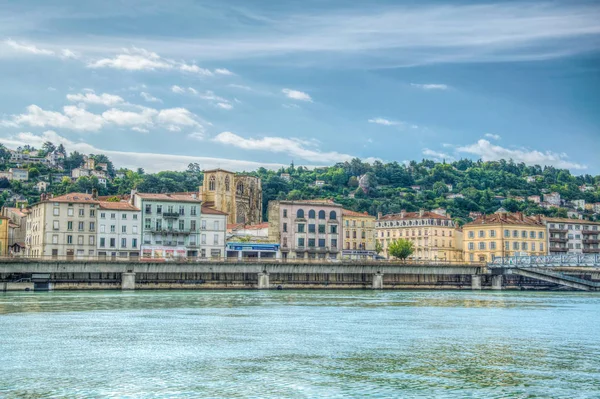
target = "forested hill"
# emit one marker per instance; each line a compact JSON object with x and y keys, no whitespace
{"x":359,"y":186}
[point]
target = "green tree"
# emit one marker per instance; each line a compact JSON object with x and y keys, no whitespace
{"x":378,"y":247}
{"x":33,"y":173}
{"x":401,"y":249}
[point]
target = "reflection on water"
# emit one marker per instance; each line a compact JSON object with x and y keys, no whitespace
{"x":299,"y":344}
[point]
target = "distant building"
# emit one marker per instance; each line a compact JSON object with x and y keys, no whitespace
{"x":534,"y":198}
{"x":4,"y":235}
{"x":41,"y":186}
{"x":80,"y":172}
{"x":532,"y":179}
{"x":553,"y":199}
{"x":359,"y":235}
{"x":439,"y":211}
{"x":286,"y":177}
{"x":450,"y":187}
{"x":572,"y":236}
{"x":119,"y":230}
{"x":416,"y":188}
{"x":213,"y":228}
{"x":19,"y":174}
{"x":319,"y":183}
{"x":18,"y":218}
{"x":578,"y":204}
{"x":585,"y":188}
{"x":454,"y":196}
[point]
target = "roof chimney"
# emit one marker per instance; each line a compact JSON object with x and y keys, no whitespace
{"x":421,"y":212}
{"x":94,"y":194}
{"x":521,"y":217}
{"x":379,"y":215}
{"x":402,"y":213}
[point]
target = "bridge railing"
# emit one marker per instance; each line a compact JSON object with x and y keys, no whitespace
{"x":233,"y":260}
{"x":570,"y":260}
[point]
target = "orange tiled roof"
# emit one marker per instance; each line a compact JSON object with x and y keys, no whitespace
{"x":506,"y":218}
{"x":74,"y":197}
{"x":347,"y":212}
{"x":18,"y":211}
{"x":212,"y":211}
{"x":117,"y":206}
{"x":414,"y":215}
{"x":169,"y":197}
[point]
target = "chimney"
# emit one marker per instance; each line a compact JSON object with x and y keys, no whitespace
{"x":539,"y":218}
{"x":94,"y":193}
{"x":521,"y":217}
{"x":484,"y":217}
{"x":402,"y":213}
{"x":379,"y":215}
{"x":132,"y":195}
{"x":421,"y":212}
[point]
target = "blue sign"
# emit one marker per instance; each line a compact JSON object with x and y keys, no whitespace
{"x":252,"y":246}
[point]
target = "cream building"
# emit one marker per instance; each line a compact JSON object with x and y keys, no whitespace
{"x":434,"y":236}
{"x":119,"y":230}
{"x":504,"y":234}
{"x":359,"y":235}
{"x":63,"y":226}
{"x":213,"y":231}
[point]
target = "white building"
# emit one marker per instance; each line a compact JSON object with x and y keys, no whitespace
{"x":285,"y":176}
{"x":578,"y":204}
{"x":41,"y":186}
{"x":79,"y":172}
{"x":534,"y":198}
{"x":552,"y":199}
{"x":213,"y":229}
{"x":19,"y":174}
{"x":119,"y":230}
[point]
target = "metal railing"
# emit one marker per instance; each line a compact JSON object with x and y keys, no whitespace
{"x":568,"y":260}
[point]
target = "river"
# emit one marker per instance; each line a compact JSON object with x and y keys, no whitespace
{"x":299,"y":344}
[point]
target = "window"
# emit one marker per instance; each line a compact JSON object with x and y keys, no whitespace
{"x":300,"y":214}
{"x":69,"y":225}
{"x":102,"y":242}
{"x":55,"y":239}
{"x":211,"y":183}
{"x":353,"y":233}
{"x":148,"y":209}
{"x":113,"y":215}
{"x":159,"y":209}
{"x":56,"y":211}
{"x":70,"y":211}
{"x":91,"y":240}
{"x":471,"y":246}
{"x":507,"y":245}
{"x":134,"y":243}
{"x":102,"y":215}
{"x":300,"y":227}
{"x":322,"y":229}
{"x":240,"y":188}
{"x":515,"y":246}
{"x":300,"y":242}
{"x":541,"y":247}
{"x":333,"y":229}
{"x":506,"y":233}
{"x":285,"y":227}
{"x":481,"y":234}
{"x":334,"y":243}
{"x":311,"y":214}
{"x":471,"y":257}
{"x":321,"y":243}
{"x":321,"y":214}
{"x":69,"y":239}
{"x":92,"y":213}
{"x":532,"y":234}
{"x":123,"y":229}
{"x":533,"y":246}
{"x":216,"y":239}
{"x":203,"y":224}
{"x":203,"y":239}
{"x":193,"y":210}
{"x":192,"y":226}
{"x":285,"y":213}
{"x":135,"y":216}
{"x":80,"y":226}
{"x":332,"y":215}
{"x":112,"y":242}
{"x":493,"y":245}
{"x":482,"y":245}
{"x":523,"y":234}
{"x":113,"y":228}
{"x":471,"y":234}
{"x":541,"y":235}
{"x":55,"y":225}
{"x":311,"y":228}
{"x":79,"y":240}
{"x":82,"y":212}
{"x":492,"y":233}
{"x":311,"y":242}
{"x":181,"y":225}
{"x":348,"y":233}
{"x":227,"y":186}
{"x":102,"y":228}
{"x":524,"y":246}
{"x":515,"y":234}
{"x":123,"y":242}
{"x":92,"y":226}
{"x":216,"y":225}
{"x":181,"y":210}
{"x":123,"y":216}
{"x":148,"y":223}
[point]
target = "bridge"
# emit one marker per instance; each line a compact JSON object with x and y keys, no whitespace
{"x":555,"y":269}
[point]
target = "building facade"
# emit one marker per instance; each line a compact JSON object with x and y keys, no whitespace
{"x":240,"y":196}
{"x":18,"y":218}
{"x":119,"y":230}
{"x":63,"y":226}
{"x":568,"y":236}
{"x":504,"y":234}
{"x":4,"y":229}
{"x":213,"y":231}
{"x":171,"y":227}
{"x":359,"y":235}
{"x":306,"y":229}
{"x":435,"y":237}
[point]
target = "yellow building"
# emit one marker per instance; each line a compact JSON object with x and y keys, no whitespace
{"x":359,"y":234}
{"x":4,"y":221}
{"x":434,"y":236}
{"x":504,"y":234}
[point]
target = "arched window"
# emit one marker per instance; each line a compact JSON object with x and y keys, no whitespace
{"x":300,"y":214}
{"x":240,"y":188}
{"x":226,"y":183}
{"x":311,"y":214}
{"x":211,"y":183}
{"x":332,"y":215}
{"x":321,"y":214}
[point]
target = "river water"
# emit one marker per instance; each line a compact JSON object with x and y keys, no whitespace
{"x":299,"y":344}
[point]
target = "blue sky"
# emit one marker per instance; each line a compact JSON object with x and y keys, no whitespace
{"x":242,"y":84}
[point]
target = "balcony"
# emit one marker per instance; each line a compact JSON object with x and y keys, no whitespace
{"x":588,"y":232}
{"x":171,"y":215}
{"x":591,"y":241}
{"x":559,"y":249}
{"x":591,"y":250}
{"x":559,"y":239}
{"x":172,"y":231}
{"x":559,"y":231}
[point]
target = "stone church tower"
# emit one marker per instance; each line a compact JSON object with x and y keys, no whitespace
{"x":240,"y":196}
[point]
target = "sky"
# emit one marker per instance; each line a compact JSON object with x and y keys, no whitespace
{"x":240,"y":84}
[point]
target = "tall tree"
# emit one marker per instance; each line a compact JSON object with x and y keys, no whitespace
{"x":401,"y":249}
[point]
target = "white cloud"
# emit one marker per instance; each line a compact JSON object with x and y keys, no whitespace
{"x":195,"y":69}
{"x":192,"y":90}
{"x":134,"y":59}
{"x":28,"y":48}
{"x":437,"y":156}
{"x":223,"y":71}
{"x":130,"y":118}
{"x":151,"y":162}
{"x":150,"y":98}
{"x":177,"y":89}
{"x":140,"y":129}
{"x":72,"y":118}
{"x":490,"y":152}
{"x":291,"y":146}
{"x":51,"y":88}
{"x":225,"y":106}
{"x":236,"y":86}
{"x":493,"y":136}
{"x":290,"y":106}
{"x":199,"y":136}
{"x":66,"y":53}
{"x":91,"y":98}
{"x":177,"y":116}
{"x":430,"y":86}
{"x":296,"y":95}
{"x":382,"y":121}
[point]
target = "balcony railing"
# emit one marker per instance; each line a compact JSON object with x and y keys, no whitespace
{"x":558,"y":239}
{"x":591,"y":250}
{"x":559,"y":249}
{"x":587,"y":232}
{"x":172,"y":231}
{"x":171,"y":215}
{"x":591,"y":241}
